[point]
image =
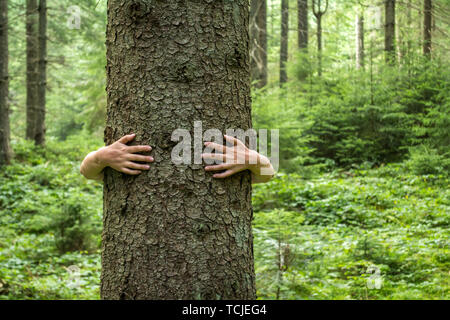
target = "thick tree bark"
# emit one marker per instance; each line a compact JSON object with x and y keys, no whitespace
{"x":359,"y":42}
{"x":174,"y":232}
{"x":302,"y":24}
{"x":39,"y":134}
{"x":389,"y":31}
{"x":284,"y":40}
{"x":427,"y":11}
{"x":32,"y":67}
{"x":5,"y":150}
{"x":258,"y":41}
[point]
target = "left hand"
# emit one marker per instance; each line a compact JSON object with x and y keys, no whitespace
{"x":236,"y":159}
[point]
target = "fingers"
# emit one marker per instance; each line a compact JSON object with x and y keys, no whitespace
{"x":139,"y":158}
{"x":234,"y":141}
{"x":224,"y":175}
{"x":214,"y":156}
{"x":219,"y":167}
{"x":136,"y":149}
{"x":137,"y":166}
{"x":127,"y":138}
{"x":130,"y":172}
{"x":215,"y":146}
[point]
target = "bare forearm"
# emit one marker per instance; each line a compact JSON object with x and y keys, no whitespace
{"x":92,"y":166}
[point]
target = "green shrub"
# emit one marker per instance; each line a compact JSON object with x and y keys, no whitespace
{"x":427,"y":161}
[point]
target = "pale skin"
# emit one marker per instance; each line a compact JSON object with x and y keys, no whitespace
{"x":128,"y":160}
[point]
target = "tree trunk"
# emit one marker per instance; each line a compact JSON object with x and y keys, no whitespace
{"x":302,"y":24}
{"x":32,"y":67}
{"x":359,"y":42}
{"x":5,"y":150}
{"x":174,"y":232}
{"x":427,"y":11}
{"x":318,"y":13}
{"x":42,"y":74}
{"x":284,"y":40}
{"x":319,"y":44}
{"x":258,"y":40}
{"x":389,"y":31}
{"x":409,"y":23}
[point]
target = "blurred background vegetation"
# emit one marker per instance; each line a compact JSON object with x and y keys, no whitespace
{"x":364,"y":157}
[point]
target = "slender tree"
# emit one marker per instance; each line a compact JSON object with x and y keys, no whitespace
{"x":258,"y":42}
{"x":409,"y":23}
{"x":39,"y":134}
{"x":284,"y":40}
{"x":32,"y":67}
{"x":5,"y":150}
{"x":174,"y":232}
{"x":427,"y":11}
{"x":389,"y":31}
{"x":318,"y":13}
{"x":302,"y":19}
{"x":302,"y":6}
{"x":360,"y":41}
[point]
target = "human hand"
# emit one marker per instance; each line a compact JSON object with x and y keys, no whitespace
{"x":123,"y":158}
{"x":236,"y":159}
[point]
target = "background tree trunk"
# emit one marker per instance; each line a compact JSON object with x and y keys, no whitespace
{"x":258,"y":40}
{"x":302,"y":24}
{"x":174,"y":232}
{"x":284,"y":40}
{"x":32,"y":67}
{"x":304,"y":70}
{"x":318,"y":13}
{"x":409,"y":24}
{"x":389,"y":31}
{"x":427,"y":12}
{"x":42,"y":74}
{"x":359,"y":42}
{"x":5,"y":150}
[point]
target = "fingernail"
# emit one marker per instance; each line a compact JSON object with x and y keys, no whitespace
{"x":151,"y":159}
{"x":147,"y":167}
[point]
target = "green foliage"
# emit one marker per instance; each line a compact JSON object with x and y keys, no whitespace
{"x":314,"y":238}
{"x":335,"y":228}
{"x":50,"y":219}
{"x":319,"y":229}
{"x":424,"y":160}
{"x":355,"y":118}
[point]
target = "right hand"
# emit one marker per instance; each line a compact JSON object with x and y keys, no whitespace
{"x":123,"y":158}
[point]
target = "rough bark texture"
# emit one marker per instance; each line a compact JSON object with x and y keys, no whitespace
{"x":5,"y":150}
{"x":359,"y":42}
{"x":174,"y":232}
{"x":32,"y":67}
{"x":302,"y":24}
{"x":284,"y":40}
{"x":39,"y":134}
{"x":389,"y":30}
{"x":427,"y":11}
{"x":258,"y":41}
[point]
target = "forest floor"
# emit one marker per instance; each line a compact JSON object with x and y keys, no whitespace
{"x":364,"y":233}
